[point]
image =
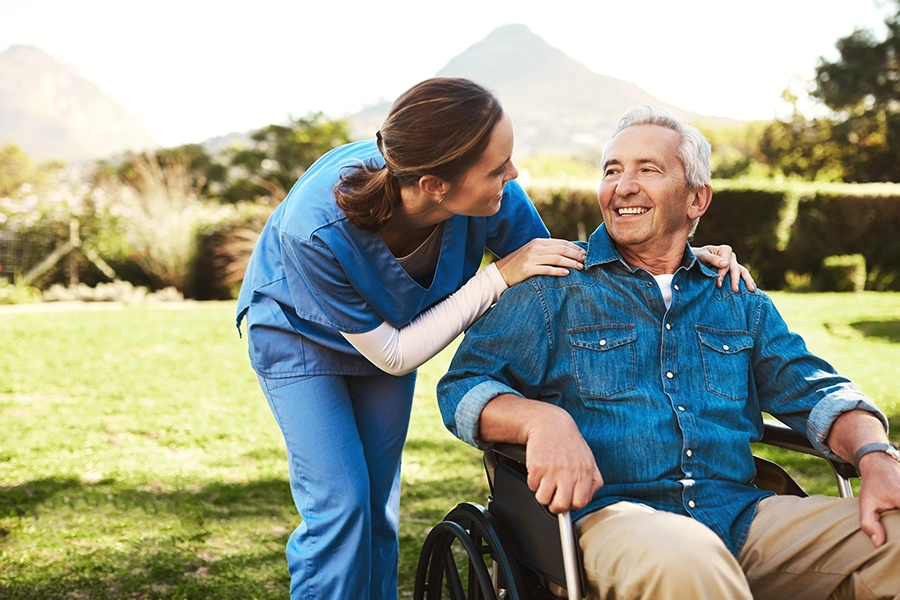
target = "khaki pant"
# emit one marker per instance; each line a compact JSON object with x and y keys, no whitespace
{"x":797,"y":549}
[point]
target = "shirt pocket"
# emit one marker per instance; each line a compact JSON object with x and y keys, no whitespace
{"x":604,"y":358}
{"x":276,"y":349}
{"x":726,"y":361}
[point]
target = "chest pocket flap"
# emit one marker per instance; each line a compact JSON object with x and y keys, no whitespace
{"x":726,"y":361}
{"x":604,"y":358}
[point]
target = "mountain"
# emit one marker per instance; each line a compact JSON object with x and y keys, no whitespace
{"x":558,"y":105}
{"x":51,"y":111}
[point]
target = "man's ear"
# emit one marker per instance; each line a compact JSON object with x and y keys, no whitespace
{"x":433,"y":186}
{"x":700,"y":201}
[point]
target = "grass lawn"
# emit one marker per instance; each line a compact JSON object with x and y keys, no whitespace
{"x":138,"y":458}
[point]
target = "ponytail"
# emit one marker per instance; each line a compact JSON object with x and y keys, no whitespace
{"x":438,"y":127}
{"x":368,"y":195}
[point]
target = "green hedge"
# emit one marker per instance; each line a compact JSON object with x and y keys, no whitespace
{"x":570,"y":212}
{"x":843,"y":224}
{"x":782,"y":231}
{"x":750,"y":221}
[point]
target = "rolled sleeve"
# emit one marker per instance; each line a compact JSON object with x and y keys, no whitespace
{"x":826,"y":412}
{"x":468,"y":411}
{"x":489,"y":362}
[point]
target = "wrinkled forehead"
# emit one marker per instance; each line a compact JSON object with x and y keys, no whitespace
{"x":643,"y":143}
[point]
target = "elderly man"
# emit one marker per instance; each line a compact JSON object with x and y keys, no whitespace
{"x":637,"y":386}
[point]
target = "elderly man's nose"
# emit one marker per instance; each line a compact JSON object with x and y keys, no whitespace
{"x":626,"y":185}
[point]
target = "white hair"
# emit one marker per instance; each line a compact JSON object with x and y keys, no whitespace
{"x":693,"y":151}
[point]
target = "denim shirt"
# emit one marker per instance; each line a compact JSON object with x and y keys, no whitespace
{"x":669,"y":400}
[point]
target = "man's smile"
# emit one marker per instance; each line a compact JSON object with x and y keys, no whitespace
{"x":631,"y":210}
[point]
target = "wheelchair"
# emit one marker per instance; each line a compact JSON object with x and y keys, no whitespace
{"x":515,"y":549}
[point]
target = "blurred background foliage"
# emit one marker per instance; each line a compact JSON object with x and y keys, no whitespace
{"x":791,"y":194}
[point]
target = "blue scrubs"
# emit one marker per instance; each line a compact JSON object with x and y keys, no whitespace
{"x":312,"y":275}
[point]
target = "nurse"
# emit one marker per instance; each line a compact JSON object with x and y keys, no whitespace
{"x":366,"y":270}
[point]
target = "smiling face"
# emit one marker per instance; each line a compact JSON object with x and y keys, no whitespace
{"x":479,"y":191}
{"x":644,"y":198}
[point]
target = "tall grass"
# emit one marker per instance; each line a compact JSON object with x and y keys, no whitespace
{"x":138,"y":458}
{"x":160,"y":214}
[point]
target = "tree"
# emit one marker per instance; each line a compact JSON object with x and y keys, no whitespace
{"x":801,"y":147}
{"x":863,"y":88}
{"x":206,"y":175}
{"x":280,"y":154}
{"x":18,"y":169}
{"x":867,"y":74}
{"x":860,"y":140}
{"x":734,"y":148}
{"x":275,"y":158}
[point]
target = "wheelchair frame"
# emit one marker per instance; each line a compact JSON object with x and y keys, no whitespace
{"x":534,"y":555}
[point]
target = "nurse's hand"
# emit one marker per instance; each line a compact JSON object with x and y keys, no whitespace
{"x":541,"y":257}
{"x":724,"y":260}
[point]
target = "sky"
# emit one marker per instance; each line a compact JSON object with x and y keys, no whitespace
{"x":195,"y":69}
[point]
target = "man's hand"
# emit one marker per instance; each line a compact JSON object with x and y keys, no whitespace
{"x":879,"y":491}
{"x":562,"y":471}
{"x":879,"y":488}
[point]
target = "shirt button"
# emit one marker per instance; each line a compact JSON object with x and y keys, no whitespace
{"x":603,"y":343}
{"x":668,"y":326}
{"x":690,"y":452}
{"x":681,"y":408}
{"x":725,"y":347}
{"x":676,"y":287}
{"x":691,"y":503}
{"x":670,"y":374}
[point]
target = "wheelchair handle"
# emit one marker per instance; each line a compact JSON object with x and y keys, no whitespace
{"x":570,"y":557}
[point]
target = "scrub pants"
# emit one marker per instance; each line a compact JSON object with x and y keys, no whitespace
{"x":344,"y":437}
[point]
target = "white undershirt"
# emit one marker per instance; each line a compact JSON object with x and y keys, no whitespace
{"x":665,"y":286}
{"x":400,"y":351}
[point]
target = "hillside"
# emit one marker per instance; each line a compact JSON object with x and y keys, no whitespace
{"x":558,"y":105}
{"x":52,"y":112}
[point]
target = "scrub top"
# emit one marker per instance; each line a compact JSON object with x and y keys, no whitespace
{"x":313,"y":274}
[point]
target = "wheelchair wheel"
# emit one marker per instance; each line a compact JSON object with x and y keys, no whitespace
{"x":464,"y":558}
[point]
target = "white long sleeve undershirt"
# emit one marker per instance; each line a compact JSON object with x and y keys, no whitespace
{"x":400,"y":351}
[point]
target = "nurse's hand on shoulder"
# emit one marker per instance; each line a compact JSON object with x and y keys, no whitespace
{"x":723,"y":259}
{"x":541,"y":257}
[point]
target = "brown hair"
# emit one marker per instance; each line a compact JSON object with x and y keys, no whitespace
{"x":438,"y":127}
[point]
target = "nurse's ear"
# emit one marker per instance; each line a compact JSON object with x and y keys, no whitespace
{"x":434,"y":187}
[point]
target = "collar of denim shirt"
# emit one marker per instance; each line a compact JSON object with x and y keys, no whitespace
{"x":600,"y":250}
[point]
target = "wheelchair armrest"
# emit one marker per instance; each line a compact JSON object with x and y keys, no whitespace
{"x":514,"y":452}
{"x":781,"y":436}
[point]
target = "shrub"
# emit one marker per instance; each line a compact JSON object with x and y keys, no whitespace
{"x":159,"y":214}
{"x":225,"y":250}
{"x":845,"y":273}
{"x":168,"y":228}
{"x":751,"y":221}
{"x":780,"y":230}
{"x":852,"y":220}
{"x":570,"y":210}
{"x":116,"y":291}
{"x":36,"y":219}
{"x":11,"y":293}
